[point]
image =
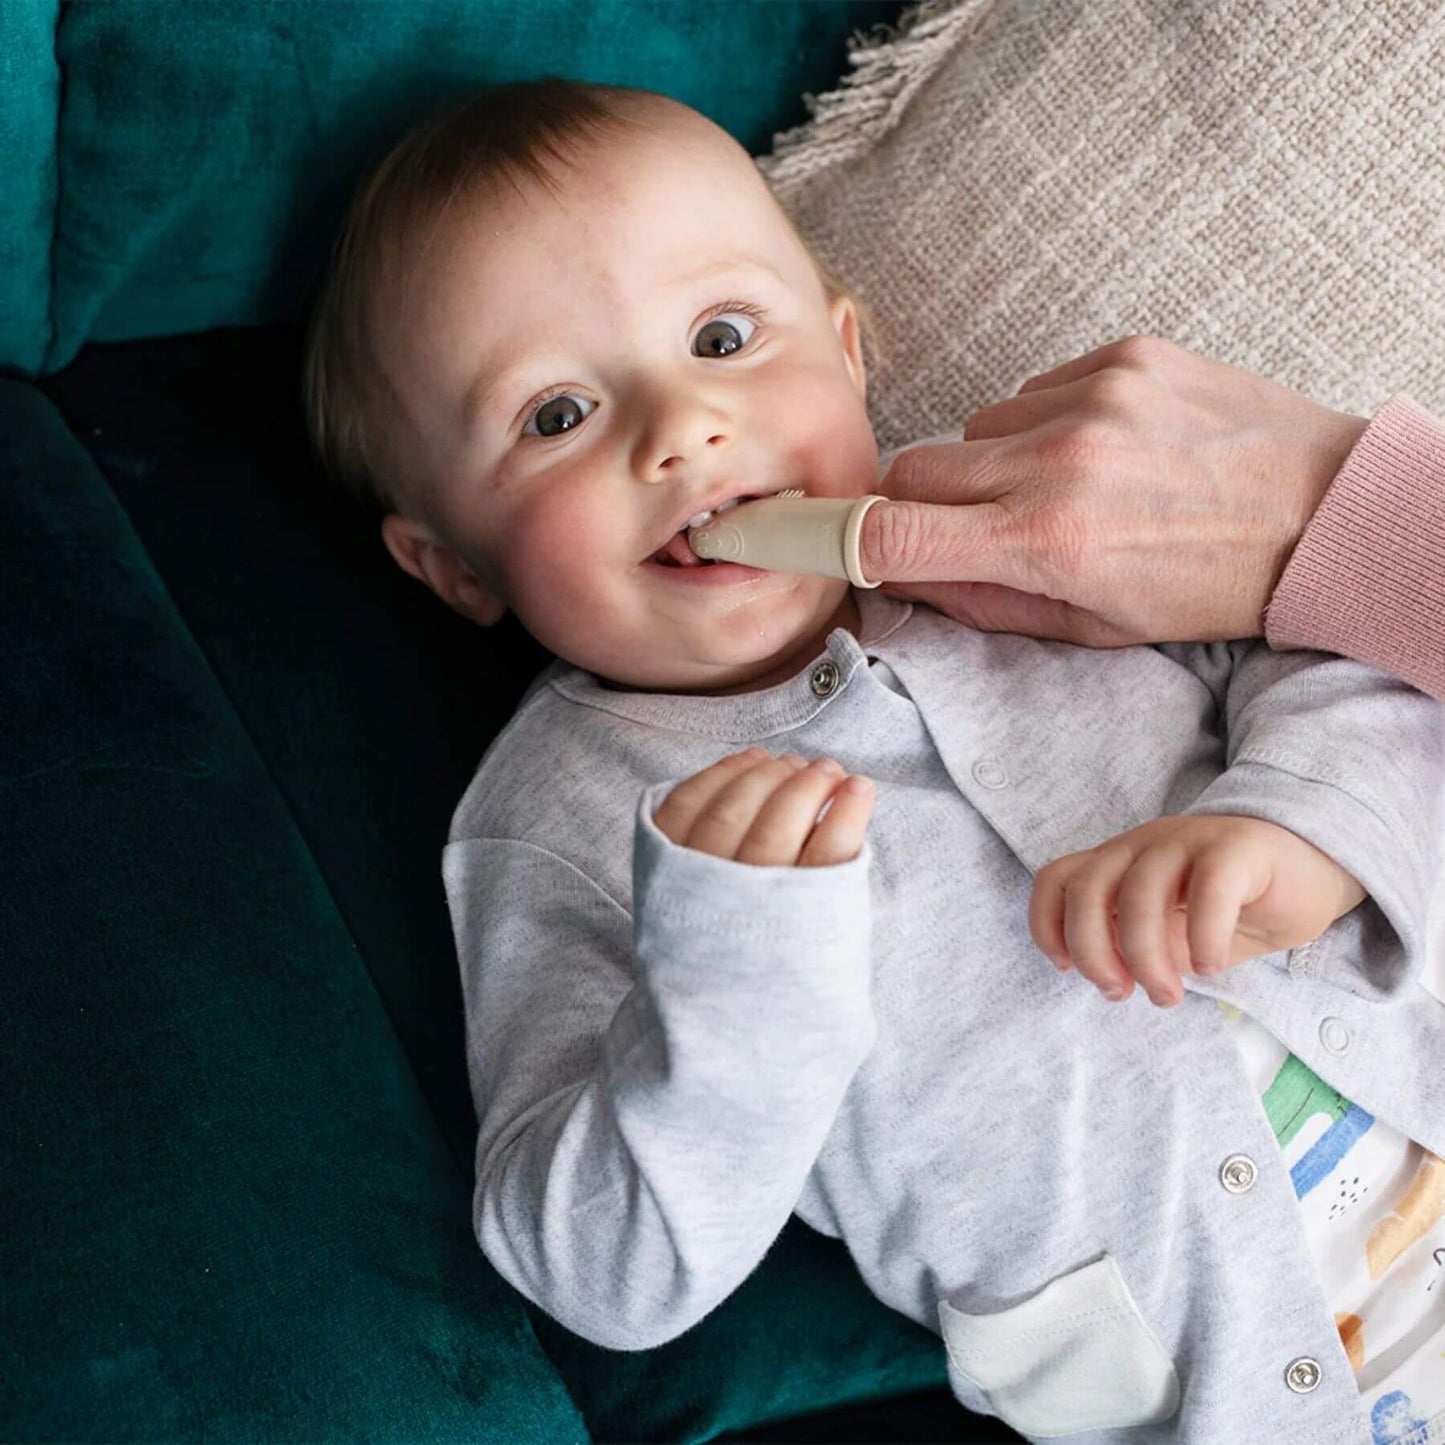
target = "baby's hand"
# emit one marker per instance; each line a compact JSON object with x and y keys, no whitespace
{"x":1217,"y":890}
{"x":755,"y":808}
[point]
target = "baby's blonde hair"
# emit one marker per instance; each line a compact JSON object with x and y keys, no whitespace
{"x":495,"y":135}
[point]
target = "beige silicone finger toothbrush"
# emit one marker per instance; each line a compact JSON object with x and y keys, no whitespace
{"x":790,"y":532}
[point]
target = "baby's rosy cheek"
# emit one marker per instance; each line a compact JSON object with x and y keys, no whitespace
{"x":561,"y":531}
{"x":812,"y":439}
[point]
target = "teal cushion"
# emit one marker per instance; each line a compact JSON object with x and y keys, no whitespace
{"x":371,"y":704}
{"x":207,"y":149}
{"x":801,"y":1333}
{"x":228,"y":1211}
{"x":29,"y":103}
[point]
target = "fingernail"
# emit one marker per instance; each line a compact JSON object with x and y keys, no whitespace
{"x":861,"y":786}
{"x":827,"y":765}
{"x":1114,"y":993}
{"x":1060,"y":962}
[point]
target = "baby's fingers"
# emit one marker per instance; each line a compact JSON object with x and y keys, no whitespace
{"x":786,"y":818}
{"x":686,"y":802}
{"x":838,"y":838}
{"x":1147,"y":895}
{"x":1046,"y":909}
{"x":1089,"y":921}
{"x":1218,"y":888}
{"x":1070,"y":921}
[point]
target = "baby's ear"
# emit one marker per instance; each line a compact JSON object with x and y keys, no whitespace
{"x":844,"y":313}
{"x":416,"y":550}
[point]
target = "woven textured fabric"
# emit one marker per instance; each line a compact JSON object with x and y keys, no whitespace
{"x":1010,"y":184}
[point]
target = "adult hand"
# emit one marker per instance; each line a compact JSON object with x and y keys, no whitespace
{"x":1139,"y":493}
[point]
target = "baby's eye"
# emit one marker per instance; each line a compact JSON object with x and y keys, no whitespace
{"x":723,"y":335}
{"x":558,"y":414}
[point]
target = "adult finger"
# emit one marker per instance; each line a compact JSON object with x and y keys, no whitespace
{"x":787,"y":817}
{"x":939,"y":542}
{"x":1014,"y":414}
{"x":838,"y":838}
{"x":958,"y":473}
{"x":1125,"y":351}
{"x":974,"y":512}
{"x":986,"y":607}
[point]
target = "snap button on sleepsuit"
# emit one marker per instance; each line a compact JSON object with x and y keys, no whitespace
{"x":1238,"y":1173}
{"x":1303,"y":1375}
{"x":990,"y":773}
{"x":824,"y":680}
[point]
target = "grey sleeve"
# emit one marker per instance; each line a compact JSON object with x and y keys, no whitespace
{"x":651,"y":1093}
{"x":1352,"y":760}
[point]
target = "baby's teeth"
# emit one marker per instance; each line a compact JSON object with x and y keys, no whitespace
{"x":703,"y":518}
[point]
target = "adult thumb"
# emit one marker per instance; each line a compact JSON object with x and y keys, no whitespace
{"x":928,"y":542}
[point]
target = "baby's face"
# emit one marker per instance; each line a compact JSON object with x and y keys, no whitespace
{"x":592,"y":367}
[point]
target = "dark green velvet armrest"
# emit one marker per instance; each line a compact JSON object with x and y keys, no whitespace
{"x":228,"y":1210}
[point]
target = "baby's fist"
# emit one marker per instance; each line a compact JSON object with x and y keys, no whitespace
{"x":755,"y":808}
{"x":1180,"y":895}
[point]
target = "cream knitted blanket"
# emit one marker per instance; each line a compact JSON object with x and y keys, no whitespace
{"x":1010,"y":183}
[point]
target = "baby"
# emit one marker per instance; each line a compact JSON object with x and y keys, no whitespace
{"x":752,"y":896}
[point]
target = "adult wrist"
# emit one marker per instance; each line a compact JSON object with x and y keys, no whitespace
{"x":1354,"y":579}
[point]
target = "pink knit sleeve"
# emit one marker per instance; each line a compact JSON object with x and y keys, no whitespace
{"x":1367,"y":579}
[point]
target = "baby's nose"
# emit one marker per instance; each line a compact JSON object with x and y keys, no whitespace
{"x":684,"y":454}
{"x":682,"y":426}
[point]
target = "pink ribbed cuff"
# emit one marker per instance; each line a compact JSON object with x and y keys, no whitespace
{"x":1367,"y":579}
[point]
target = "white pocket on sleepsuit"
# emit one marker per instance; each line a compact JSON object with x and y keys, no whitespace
{"x":1076,"y":1356}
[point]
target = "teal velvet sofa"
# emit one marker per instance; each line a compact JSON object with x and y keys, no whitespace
{"x":235,"y":1127}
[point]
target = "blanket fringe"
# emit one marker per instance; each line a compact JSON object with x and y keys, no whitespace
{"x":888,"y":64}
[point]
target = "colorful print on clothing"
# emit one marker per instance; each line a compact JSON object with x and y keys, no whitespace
{"x":1372,"y":1203}
{"x":1393,"y":1422}
{"x":1421,"y":1207}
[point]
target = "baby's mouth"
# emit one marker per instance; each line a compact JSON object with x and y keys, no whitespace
{"x":676,"y":552}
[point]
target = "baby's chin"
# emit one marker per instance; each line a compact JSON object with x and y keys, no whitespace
{"x":744,"y":651}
